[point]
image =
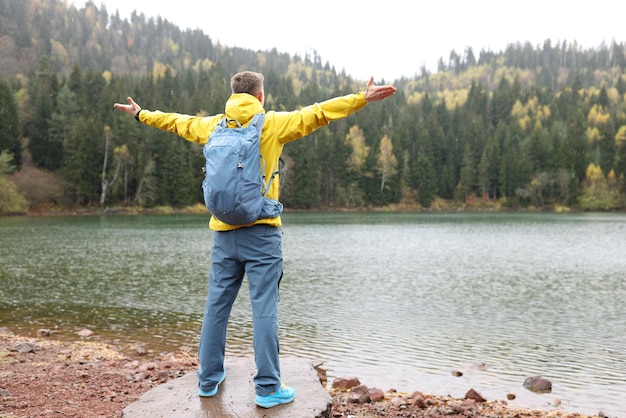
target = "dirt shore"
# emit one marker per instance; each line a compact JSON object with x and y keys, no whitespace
{"x":44,"y":377}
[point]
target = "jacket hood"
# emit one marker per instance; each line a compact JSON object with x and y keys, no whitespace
{"x":242,"y":107}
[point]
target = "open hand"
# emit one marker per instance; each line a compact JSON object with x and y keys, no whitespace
{"x":131,"y":108}
{"x":374,"y":93}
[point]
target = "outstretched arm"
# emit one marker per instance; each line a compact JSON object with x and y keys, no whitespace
{"x":131,"y":108}
{"x":192,"y":128}
{"x":374,"y":93}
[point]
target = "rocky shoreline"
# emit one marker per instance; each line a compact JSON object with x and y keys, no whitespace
{"x":42,"y":376}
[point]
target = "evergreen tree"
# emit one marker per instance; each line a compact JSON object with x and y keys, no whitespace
{"x":488,"y":168}
{"x":303,"y":179}
{"x":620,"y":85}
{"x":425,"y":178}
{"x":502,"y":102}
{"x":62,"y":118}
{"x":333,"y":152}
{"x":83,"y":160}
{"x":576,"y":146}
{"x":9,"y":125}
{"x":42,"y":89}
{"x":467,"y":180}
{"x":179,"y":173}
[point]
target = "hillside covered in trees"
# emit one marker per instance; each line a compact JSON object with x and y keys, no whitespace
{"x":540,"y":126}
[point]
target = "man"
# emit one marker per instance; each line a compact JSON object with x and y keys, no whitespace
{"x":254,"y":249}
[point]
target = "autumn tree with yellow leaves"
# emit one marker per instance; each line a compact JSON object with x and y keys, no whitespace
{"x":600,"y":192}
{"x":386,"y":163}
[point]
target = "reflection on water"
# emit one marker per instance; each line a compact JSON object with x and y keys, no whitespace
{"x":399,"y":300}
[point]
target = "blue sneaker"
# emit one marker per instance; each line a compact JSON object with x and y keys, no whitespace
{"x":283,"y":395}
{"x":214,"y":391}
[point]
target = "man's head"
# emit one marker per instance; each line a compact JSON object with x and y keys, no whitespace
{"x":248,"y":82}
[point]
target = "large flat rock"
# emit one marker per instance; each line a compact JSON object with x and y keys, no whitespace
{"x":235,"y":398}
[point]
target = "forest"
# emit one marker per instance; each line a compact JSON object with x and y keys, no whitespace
{"x":533,"y":127}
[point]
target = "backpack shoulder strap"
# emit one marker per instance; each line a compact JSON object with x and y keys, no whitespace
{"x":224,"y":122}
{"x":258,"y":120}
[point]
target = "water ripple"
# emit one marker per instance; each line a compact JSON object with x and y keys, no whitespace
{"x":399,"y":300}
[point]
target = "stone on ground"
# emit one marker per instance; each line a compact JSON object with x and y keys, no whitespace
{"x":235,"y":398}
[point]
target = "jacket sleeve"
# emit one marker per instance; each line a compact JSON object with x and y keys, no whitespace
{"x":192,"y":128}
{"x":299,"y":123}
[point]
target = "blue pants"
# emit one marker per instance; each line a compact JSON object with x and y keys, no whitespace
{"x":257,"y":252}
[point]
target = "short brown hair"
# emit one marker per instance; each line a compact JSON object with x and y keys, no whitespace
{"x":246,"y":82}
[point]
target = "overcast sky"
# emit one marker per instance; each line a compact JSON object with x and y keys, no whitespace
{"x":386,"y":39}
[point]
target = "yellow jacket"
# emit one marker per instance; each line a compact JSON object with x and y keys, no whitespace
{"x":278,"y":129}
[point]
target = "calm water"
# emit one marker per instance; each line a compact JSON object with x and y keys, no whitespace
{"x":399,"y":300}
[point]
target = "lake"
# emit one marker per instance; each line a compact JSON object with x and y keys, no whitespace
{"x":398,"y":300}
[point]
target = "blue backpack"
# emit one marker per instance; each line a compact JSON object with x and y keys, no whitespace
{"x":234,"y":185}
